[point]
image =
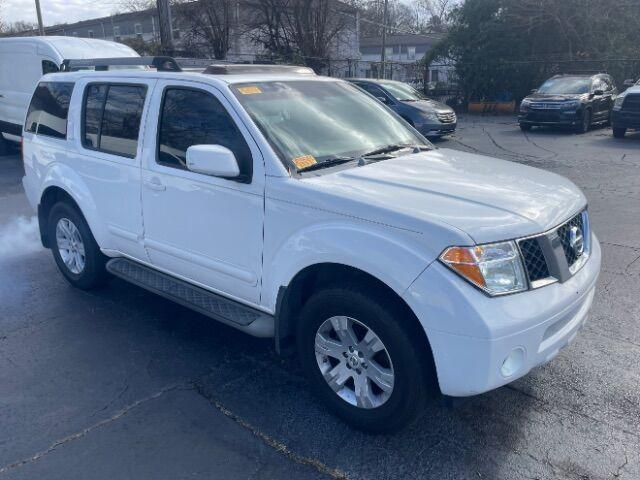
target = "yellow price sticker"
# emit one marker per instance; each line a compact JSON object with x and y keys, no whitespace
{"x":304,"y":161}
{"x":249,"y":90}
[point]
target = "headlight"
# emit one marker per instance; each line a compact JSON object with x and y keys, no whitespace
{"x":495,"y":268}
{"x":617,"y":105}
{"x":525,"y":104}
{"x":431,"y":116}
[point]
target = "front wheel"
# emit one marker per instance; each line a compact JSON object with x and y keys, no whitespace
{"x":74,"y":249}
{"x":585,"y":122}
{"x":362,"y":361}
{"x":619,"y":132}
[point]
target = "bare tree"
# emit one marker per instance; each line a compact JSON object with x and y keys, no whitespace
{"x":210,"y":24}
{"x":301,"y":30}
{"x":437,"y":13}
{"x":135,"y":5}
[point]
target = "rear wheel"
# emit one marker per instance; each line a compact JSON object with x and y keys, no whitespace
{"x":619,"y":132}
{"x":74,"y":249}
{"x":362,"y":362}
{"x":585,"y":122}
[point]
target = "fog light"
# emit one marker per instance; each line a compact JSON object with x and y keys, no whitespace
{"x":513,"y":362}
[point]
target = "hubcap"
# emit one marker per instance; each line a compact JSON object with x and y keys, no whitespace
{"x":354,"y":362}
{"x":70,"y":245}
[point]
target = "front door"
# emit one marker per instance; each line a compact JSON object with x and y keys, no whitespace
{"x":202,"y":228}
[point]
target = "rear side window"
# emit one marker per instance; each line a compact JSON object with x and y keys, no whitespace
{"x":194,"y":117}
{"x":47,"y":114}
{"x":111,"y":118}
{"x":49,"y":67}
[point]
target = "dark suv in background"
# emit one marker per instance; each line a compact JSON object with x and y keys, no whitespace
{"x":577,"y":101}
{"x":432,"y":119}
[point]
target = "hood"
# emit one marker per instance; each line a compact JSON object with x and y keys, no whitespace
{"x":429,"y":106}
{"x":488,"y":199}
{"x":557,"y":97}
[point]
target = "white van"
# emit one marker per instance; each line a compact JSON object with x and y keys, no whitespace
{"x":23,"y":60}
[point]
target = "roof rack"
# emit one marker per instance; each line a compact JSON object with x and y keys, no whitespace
{"x":234,"y":69}
{"x":162,"y":64}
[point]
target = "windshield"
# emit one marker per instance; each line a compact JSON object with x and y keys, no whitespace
{"x":402,"y":91}
{"x":318,"y":121}
{"x":566,"y":85}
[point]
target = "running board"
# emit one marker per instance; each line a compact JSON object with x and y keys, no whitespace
{"x":229,"y":312}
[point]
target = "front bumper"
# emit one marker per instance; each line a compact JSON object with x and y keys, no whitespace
{"x":472,"y":335}
{"x":555,"y":117}
{"x":437,"y":129}
{"x":623,"y":119}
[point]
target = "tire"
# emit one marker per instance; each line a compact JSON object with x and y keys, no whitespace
{"x":619,"y":132}
{"x":525,"y":127}
{"x":82,"y":271}
{"x":408,"y":360}
{"x":585,"y":122}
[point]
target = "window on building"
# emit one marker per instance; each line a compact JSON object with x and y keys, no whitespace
{"x":138,"y":29}
{"x":75,"y":34}
{"x":111,"y":118}
{"x":411,"y":53}
{"x":116,"y":32}
{"x":194,"y":117}
{"x":435,"y":74}
{"x":47,"y":114}
{"x":91,"y":34}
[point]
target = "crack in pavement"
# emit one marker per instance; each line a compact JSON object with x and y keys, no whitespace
{"x":85,"y":431}
{"x":280,"y":447}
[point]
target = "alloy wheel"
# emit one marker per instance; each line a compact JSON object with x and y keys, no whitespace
{"x":70,"y":245}
{"x":354,"y":362}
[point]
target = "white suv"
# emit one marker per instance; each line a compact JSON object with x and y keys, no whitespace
{"x":298,"y":207}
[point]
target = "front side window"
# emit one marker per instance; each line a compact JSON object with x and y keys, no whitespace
{"x":326,"y":120}
{"x":47,"y":114}
{"x":404,"y":92}
{"x":111,"y":118}
{"x":195,"y":117}
{"x":49,"y":67}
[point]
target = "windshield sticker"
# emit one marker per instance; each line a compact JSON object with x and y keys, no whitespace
{"x":304,"y":161}
{"x":249,"y":90}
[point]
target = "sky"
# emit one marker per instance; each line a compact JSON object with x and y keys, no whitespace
{"x":55,"y":11}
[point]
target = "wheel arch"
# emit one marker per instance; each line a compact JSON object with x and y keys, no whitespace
{"x":292,"y":297}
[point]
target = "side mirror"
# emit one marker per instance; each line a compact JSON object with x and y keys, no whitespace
{"x":534,"y":90}
{"x":214,"y":160}
{"x":598,"y":92}
{"x":629,"y":82}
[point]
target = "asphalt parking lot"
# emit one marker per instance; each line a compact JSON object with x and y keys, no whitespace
{"x":120,"y":383}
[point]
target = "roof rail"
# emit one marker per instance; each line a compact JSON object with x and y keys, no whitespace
{"x":162,"y":64}
{"x":233,"y":69}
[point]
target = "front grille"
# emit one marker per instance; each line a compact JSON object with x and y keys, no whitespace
{"x":545,"y":106}
{"x":447,"y":117}
{"x":541,"y":269}
{"x":534,"y":260}
{"x":564,"y":232}
{"x":631,"y":103}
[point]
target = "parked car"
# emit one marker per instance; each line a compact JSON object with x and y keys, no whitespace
{"x":298,"y":207}
{"x":432,"y":119}
{"x":626,"y":111}
{"x":577,"y":101}
{"x":23,"y":60}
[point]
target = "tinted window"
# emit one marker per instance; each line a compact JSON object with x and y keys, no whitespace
{"x":111,"y":119}
{"x":193,"y":117}
{"x":94,"y":101}
{"x":372,"y":89}
{"x":49,"y":67}
{"x":566,"y":85}
{"x":47,"y":114}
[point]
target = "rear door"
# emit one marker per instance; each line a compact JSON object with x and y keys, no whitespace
{"x":107,"y":150}
{"x":205,"y":229}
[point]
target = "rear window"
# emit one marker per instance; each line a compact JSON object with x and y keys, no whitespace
{"x":47,"y":114}
{"x":111,"y":118}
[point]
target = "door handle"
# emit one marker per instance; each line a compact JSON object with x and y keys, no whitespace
{"x":155,"y":184}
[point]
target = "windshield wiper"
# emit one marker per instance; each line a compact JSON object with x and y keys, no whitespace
{"x":393,"y":148}
{"x":326,"y":163}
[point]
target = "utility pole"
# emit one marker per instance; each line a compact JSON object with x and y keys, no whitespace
{"x":383,"y":53}
{"x":166,"y":26}
{"x":39,"y":13}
